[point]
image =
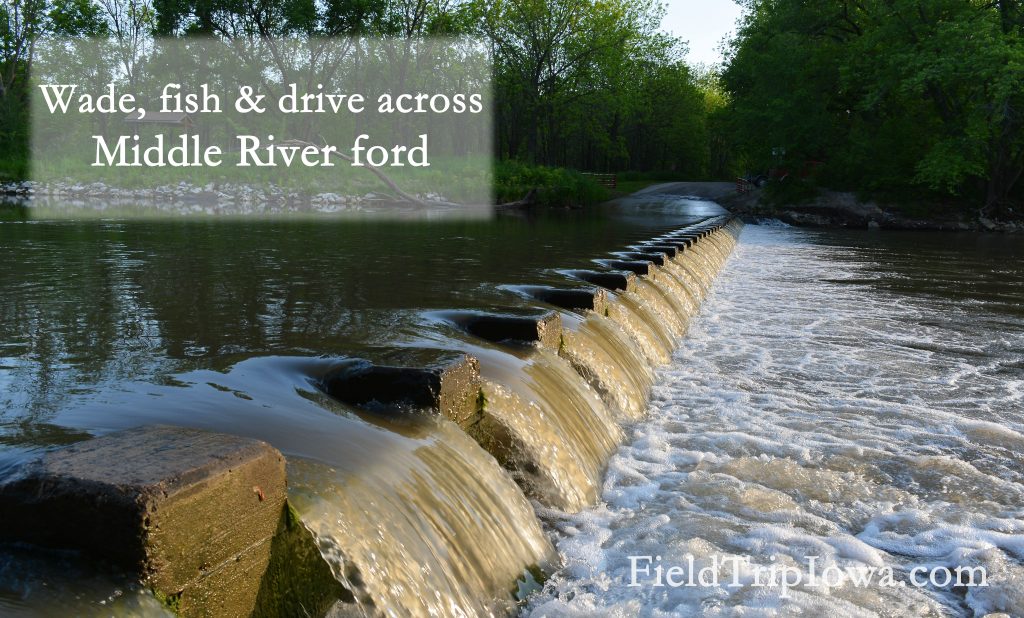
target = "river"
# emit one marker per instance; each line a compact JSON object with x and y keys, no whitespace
{"x":852,"y":397}
{"x":855,"y":397}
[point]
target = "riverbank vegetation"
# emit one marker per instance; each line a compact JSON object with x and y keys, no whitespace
{"x":919,"y":102}
{"x":549,"y":186}
{"x":589,"y":85}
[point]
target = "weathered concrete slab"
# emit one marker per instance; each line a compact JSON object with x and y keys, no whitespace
{"x":191,"y":513}
{"x":691,"y":236}
{"x":623,"y":281}
{"x":634,"y":266}
{"x":679,"y":246}
{"x":682,"y":243}
{"x":644,"y":256}
{"x":573,"y":299}
{"x":406,"y":379}
{"x":544,"y":328}
{"x":669,"y":250}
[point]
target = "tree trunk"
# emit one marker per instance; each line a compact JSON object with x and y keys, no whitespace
{"x":1006,"y":163}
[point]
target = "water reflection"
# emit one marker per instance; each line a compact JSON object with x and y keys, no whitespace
{"x":89,"y":305}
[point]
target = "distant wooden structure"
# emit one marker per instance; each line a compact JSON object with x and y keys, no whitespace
{"x":610,"y":181}
{"x":182,"y":121}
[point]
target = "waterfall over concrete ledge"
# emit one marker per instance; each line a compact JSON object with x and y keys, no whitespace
{"x":489,"y":412}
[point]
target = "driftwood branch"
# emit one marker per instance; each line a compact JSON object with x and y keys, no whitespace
{"x":529,"y":200}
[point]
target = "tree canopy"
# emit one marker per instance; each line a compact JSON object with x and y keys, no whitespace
{"x":889,"y":95}
{"x":588,"y":84}
{"x":903,"y":97}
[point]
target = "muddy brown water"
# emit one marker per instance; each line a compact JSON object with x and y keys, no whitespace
{"x":225,"y":325}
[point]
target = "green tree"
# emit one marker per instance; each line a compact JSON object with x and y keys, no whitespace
{"x":890,"y":94}
{"x":22,"y":24}
{"x":593,"y":85}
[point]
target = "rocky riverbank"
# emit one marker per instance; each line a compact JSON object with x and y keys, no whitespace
{"x":219,"y":198}
{"x":834,"y":209}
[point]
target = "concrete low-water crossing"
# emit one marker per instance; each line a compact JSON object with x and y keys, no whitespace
{"x":413,"y":440}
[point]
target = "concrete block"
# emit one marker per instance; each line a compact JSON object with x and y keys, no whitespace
{"x":573,"y":299}
{"x":679,"y":242}
{"x":407,"y":379}
{"x":687,"y":236}
{"x":668,"y":249}
{"x":634,"y":266}
{"x":192,"y":514}
{"x":544,"y":327}
{"x":624,"y":281}
{"x":648,"y":256}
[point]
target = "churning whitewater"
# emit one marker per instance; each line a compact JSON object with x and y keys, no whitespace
{"x":815,"y":422}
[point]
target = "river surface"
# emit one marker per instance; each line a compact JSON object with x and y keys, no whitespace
{"x":854,"y":397}
{"x":228,"y":325}
{"x":97,"y":316}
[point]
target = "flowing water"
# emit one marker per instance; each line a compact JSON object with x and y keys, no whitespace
{"x":844,"y":399}
{"x":229,"y":326}
{"x":613,"y":363}
{"x":853,"y":398}
{"x":402,"y":526}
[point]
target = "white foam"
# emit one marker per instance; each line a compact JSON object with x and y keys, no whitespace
{"x":806,"y":416}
